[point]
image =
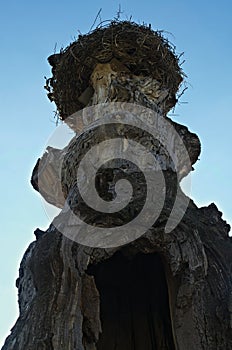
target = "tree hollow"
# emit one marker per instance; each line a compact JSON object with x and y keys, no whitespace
{"x":134,"y":303}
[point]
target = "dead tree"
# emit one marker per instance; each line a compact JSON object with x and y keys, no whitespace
{"x":160,"y":291}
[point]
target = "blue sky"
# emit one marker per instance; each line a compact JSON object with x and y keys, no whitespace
{"x":29,"y":32}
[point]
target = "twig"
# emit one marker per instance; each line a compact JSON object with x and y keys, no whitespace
{"x":182,"y":92}
{"x":119,"y":13}
{"x":76,"y":58}
{"x":98,"y":15}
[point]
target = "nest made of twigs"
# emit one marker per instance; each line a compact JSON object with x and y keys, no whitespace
{"x":143,"y":51}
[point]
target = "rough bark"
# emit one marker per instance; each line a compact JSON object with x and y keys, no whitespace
{"x":60,"y":301}
{"x":160,"y":291}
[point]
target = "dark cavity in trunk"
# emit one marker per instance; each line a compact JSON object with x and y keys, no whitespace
{"x":134,"y":303}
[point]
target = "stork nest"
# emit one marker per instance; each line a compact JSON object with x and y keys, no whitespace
{"x":140,"y":49}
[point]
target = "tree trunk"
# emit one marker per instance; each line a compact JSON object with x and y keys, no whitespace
{"x":159,"y":291}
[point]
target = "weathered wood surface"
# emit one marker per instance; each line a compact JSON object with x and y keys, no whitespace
{"x":161,"y":291}
{"x":60,"y":303}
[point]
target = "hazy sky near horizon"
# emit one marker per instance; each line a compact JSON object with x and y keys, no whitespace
{"x":29,"y":32}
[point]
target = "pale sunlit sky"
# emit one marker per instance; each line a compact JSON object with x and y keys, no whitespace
{"x":29,"y":32}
